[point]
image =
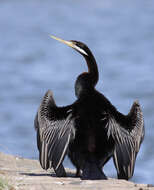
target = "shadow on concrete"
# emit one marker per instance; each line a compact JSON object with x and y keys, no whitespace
{"x":69,"y":174}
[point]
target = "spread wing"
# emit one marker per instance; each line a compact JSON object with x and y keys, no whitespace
{"x":128,"y":133}
{"x":55,"y":129}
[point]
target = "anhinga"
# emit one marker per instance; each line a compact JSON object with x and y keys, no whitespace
{"x":90,"y":131}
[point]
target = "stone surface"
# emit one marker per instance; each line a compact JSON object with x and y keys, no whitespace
{"x":26,"y":174}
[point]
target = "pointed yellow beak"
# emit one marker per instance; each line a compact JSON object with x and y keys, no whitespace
{"x":70,"y":44}
{"x":63,"y":41}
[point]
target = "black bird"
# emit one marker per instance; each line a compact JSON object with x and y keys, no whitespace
{"x":90,"y":131}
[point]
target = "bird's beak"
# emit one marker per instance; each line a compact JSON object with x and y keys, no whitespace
{"x":70,"y":44}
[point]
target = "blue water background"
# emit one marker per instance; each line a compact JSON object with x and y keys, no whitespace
{"x":119,"y":33}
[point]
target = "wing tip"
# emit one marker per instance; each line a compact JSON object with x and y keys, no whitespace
{"x":48,"y":99}
{"x":136,"y":107}
{"x":136,"y":103}
{"x":49,"y":92}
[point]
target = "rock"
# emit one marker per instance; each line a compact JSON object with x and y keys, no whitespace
{"x":26,"y":174}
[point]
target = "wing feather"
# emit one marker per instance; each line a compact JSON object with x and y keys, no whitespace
{"x":55,"y":129}
{"x":128,"y":136}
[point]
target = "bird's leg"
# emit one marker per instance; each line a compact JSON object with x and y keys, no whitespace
{"x":60,"y":171}
{"x":104,"y":161}
{"x":78,"y":172}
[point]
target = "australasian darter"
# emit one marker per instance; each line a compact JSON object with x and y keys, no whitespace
{"x":90,"y":131}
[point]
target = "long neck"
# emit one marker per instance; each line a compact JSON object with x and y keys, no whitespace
{"x":92,"y":68}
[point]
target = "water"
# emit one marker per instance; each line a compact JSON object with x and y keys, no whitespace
{"x":120,"y":34}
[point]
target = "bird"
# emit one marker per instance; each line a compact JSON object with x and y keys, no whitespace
{"x":90,"y":131}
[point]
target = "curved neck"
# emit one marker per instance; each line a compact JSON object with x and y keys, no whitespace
{"x":92,"y":68}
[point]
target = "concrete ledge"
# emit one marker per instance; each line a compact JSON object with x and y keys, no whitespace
{"x":26,"y":174}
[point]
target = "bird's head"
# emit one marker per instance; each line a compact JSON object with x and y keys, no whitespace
{"x":78,"y":46}
{"x":86,"y":80}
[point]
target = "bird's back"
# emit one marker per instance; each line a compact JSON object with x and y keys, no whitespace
{"x":90,"y":123}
